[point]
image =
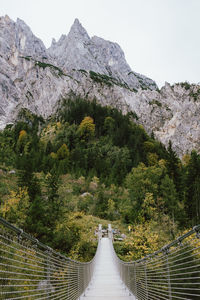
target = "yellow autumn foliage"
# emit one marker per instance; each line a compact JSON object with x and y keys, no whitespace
{"x":22,"y":140}
{"x":63,"y":152}
{"x":17,"y":204}
{"x":152,"y":159}
{"x":53,"y":155}
{"x":22,"y":135}
{"x":141,"y":242}
{"x":87,"y":128}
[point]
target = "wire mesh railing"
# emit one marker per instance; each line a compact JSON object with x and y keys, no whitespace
{"x":170,"y":273}
{"x":32,"y":270}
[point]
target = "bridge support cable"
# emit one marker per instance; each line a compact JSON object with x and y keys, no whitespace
{"x":170,"y":273}
{"x":32,"y":270}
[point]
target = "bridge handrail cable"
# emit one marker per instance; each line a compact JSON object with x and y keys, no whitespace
{"x":172,"y":272}
{"x":31,"y":270}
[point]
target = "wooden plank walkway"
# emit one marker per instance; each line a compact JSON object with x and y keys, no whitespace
{"x":106,"y":283}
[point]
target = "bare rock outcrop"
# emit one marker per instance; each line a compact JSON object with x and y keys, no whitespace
{"x":36,"y":78}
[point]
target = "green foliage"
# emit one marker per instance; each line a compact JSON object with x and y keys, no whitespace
{"x":154,"y":101}
{"x":175,"y":170}
{"x":82,"y":71}
{"x":94,"y":160}
{"x":86,"y":129}
{"x":140,"y":182}
{"x":36,"y":220}
{"x":66,"y":235}
{"x":144,"y":239}
{"x":27,"y":179}
{"x":107,"y":80}
{"x":52,"y":206}
{"x":152,"y":194}
{"x":185,"y":85}
{"x":7,"y":144}
{"x":45,"y":65}
{"x":101,"y":78}
{"x":63,"y":152}
{"x":195,"y":93}
{"x":16,"y":206}
{"x":141,"y":242}
{"x":192,"y":199}
{"x":111,"y":127}
{"x":149,"y":146}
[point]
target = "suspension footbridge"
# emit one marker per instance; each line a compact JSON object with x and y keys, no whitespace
{"x":31,"y":270}
{"x":106,"y":283}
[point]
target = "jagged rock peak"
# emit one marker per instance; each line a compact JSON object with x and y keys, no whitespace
{"x":53,"y":42}
{"x":78,"y":30}
{"x":20,"y":39}
{"x":78,"y":51}
{"x":5,"y":18}
{"x":23,"y":25}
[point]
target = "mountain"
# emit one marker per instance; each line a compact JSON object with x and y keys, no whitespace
{"x":78,"y":51}
{"x":36,"y":78}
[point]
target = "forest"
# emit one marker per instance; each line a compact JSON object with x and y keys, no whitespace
{"x":88,"y":164}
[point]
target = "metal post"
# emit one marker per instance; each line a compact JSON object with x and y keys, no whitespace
{"x":48,"y":272}
{"x":135,"y":280}
{"x":87,"y":281}
{"x":100,"y":232}
{"x":78,"y":281}
{"x":145,"y":273}
{"x":129,"y":281}
{"x":68,"y":282}
{"x":168,"y":276}
{"x":109,"y":231}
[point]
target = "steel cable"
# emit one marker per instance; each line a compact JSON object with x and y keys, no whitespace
{"x":31,"y":270}
{"x":170,"y":273}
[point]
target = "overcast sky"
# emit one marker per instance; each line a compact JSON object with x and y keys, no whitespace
{"x":160,"y":38}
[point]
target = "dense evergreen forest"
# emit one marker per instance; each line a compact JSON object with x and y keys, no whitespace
{"x":90,"y":160}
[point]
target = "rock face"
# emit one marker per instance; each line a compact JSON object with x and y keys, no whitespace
{"x":78,"y":51}
{"x":171,"y":114}
{"x":36,"y":78}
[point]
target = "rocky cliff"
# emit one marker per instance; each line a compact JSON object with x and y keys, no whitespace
{"x":37,"y":78}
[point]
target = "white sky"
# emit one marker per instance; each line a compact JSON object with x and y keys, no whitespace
{"x":160,"y":38}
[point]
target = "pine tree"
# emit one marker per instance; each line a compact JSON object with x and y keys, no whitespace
{"x":54,"y":203}
{"x":192,"y":201}
{"x":174,"y":170}
{"x":169,"y":197}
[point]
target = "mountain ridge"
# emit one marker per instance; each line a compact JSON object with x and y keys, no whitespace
{"x":78,"y":51}
{"x":36,"y":78}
